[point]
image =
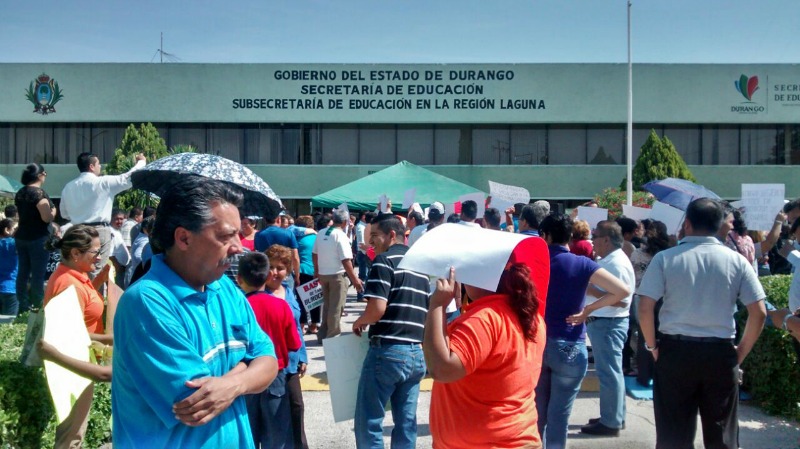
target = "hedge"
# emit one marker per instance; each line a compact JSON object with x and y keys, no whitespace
{"x":771,"y":373}
{"x":27,"y":417}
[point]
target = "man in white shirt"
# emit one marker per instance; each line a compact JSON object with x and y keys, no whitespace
{"x":607,"y":329}
{"x":333,"y":265}
{"x":88,"y":199}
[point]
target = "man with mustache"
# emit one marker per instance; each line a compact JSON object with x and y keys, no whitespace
{"x":187,"y":344}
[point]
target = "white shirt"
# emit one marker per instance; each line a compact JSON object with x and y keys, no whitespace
{"x":331,"y":247}
{"x":89,"y":198}
{"x":416,"y":233}
{"x":118,"y":249}
{"x":794,"y":287}
{"x":618,"y":264}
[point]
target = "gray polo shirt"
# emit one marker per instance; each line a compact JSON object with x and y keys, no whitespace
{"x":700,"y":281}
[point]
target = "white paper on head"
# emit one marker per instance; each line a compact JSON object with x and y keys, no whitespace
{"x":480,"y":200}
{"x":670,"y":216}
{"x":408,"y":197}
{"x":478,"y":255}
{"x":761,"y":202}
{"x":505,"y":196}
{"x":344,"y":356}
{"x":592,"y":215}
{"x":636,"y":213}
{"x":65,"y":329}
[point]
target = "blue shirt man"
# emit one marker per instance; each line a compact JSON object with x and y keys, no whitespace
{"x":274,"y":234}
{"x":187,"y":345}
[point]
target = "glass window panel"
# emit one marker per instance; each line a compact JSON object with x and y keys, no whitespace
{"x":415,"y":145}
{"x":377,"y":145}
{"x":106,"y":138}
{"x":606,"y":146}
{"x":720,"y":145}
{"x":7,"y":153}
{"x":34,"y":143}
{"x":70,"y":140}
{"x":528,"y":145}
{"x":491,"y":146}
{"x":446,"y":145}
{"x":226,"y":141}
{"x":191,"y":134}
{"x":290,"y":145}
{"x":339,"y":145}
{"x":759,"y":144}
{"x":687,"y":141}
{"x":566,"y":145}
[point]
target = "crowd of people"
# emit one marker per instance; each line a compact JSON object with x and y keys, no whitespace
{"x":209,"y":332}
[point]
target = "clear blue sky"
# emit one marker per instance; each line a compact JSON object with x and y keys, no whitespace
{"x":400,"y":31}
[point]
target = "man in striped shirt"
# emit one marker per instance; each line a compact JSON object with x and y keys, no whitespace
{"x":396,"y":310}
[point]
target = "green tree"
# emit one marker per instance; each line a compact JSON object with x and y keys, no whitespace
{"x":146,"y":140}
{"x":658,"y":159}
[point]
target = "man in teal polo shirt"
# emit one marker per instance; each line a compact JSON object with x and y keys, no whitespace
{"x":187,"y":346}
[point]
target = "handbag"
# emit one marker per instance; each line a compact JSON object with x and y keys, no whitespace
{"x":30,"y":353}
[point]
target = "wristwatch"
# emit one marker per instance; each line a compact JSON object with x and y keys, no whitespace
{"x":650,"y":348}
{"x":785,"y":319}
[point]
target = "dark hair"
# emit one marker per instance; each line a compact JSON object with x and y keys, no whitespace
{"x":795,"y":225}
{"x":11,"y":211}
{"x":85,"y":160}
{"x":517,"y":284}
{"x":791,"y":205}
{"x":305,"y":221}
{"x":31,"y":173}
{"x":529,"y":215}
{"x":6,"y":223}
{"x":135,"y":211}
{"x":613,"y":231}
{"x":149,"y":211}
{"x":657,"y":238}
{"x":628,"y":225}
{"x":558,"y":227}
{"x":369,"y":216}
{"x":706,"y":215}
{"x":78,"y":237}
{"x":280,"y":253}
{"x":388,"y":223}
{"x":738,"y":222}
{"x":453,"y":218}
{"x":148,"y":223}
{"x":271,"y":215}
{"x":322,"y":222}
{"x":254,"y":268}
{"x":417,"y":218}
{"x":118,"y":211}
{"x":469,"y":210}
{"x":492,"y":217}
{"x":187,"y":204}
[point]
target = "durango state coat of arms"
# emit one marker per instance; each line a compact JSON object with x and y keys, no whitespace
{"x":44,"y":93}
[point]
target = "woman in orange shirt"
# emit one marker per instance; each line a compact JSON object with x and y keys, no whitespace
{"x":485,"y":364}
{"x":80,"y":252}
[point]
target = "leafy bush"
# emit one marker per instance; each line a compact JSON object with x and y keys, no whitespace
{"x":613,"y":199}
{"x":145,"y":140}
{"x":771,"y":372}
{"x":27,"y":417}
{"x":658,"y":159}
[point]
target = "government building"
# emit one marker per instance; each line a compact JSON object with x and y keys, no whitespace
{"x":558,"y":130}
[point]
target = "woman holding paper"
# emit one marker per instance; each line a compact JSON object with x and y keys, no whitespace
{"x":485,"y":364}
{"x":80,"y":252}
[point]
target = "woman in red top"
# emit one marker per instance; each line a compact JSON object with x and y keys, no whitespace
{"x":580,"y":244}
{"x":485,"y":364}
{"x":248,"y":233}
{"x":269,"y":411}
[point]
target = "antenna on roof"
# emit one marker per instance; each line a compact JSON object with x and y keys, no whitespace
{"x":164,"y":55}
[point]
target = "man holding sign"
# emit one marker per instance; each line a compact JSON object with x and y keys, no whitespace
{"x":396,"y":310}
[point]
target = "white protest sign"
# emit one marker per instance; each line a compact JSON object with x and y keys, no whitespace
{"x":480,"y":200}
{"x":670,"y":216}
{"x":408,"y":197}
{"x":761,"y":203}
{"x":505,"y":196}
{"x":310,"y":294}
{"x":449,"y":208}
{"x":592,"y":215}
{"x":65,"y":329}
{"x":383,"y":203}
{"x":344,"y":357}
{"x":636,"y":213}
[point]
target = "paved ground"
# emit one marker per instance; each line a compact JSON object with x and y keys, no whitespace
{"x":758,"y":430}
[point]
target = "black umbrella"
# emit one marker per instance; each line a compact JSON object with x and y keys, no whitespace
{"x":159,"y":176}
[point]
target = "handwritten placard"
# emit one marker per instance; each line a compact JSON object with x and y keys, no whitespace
{"x":761,"y":202}
{"x":505,"y":196}
{"x":310,"y":294}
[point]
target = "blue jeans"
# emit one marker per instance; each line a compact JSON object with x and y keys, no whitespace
{"x":390,"y":373}
{"x":563,"y":369}
{"x":363,"y":270}
{"x":9,"y":304}
{"x":270,"y":415}
{"x":608,"y":339}
{"x":32,"y":266}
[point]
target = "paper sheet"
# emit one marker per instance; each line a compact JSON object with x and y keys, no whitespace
{"x":670,"y":216}
{"x":505,"y":196}
{"x":636,"y":213}
{"x":344,"y":357}
{"x":761,"y":203}
{"x":478,"y":255}
{"x":592,"y":215}
{"x":64,"y":328}
{"x":383,"y":203}
{"x":480,"y":200}
{"x":408,"y":197}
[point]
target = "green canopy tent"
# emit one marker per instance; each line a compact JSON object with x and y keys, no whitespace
{"x":9,"y":186}
{"x":394,"y":181}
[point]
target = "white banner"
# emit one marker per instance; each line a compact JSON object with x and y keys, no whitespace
{"x":505,"y":196}
{"x":761,"y":202}
{"x":310,"y":294}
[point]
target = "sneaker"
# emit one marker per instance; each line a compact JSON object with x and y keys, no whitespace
{"x":597,"y":420}
{"x":599,"y":429}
